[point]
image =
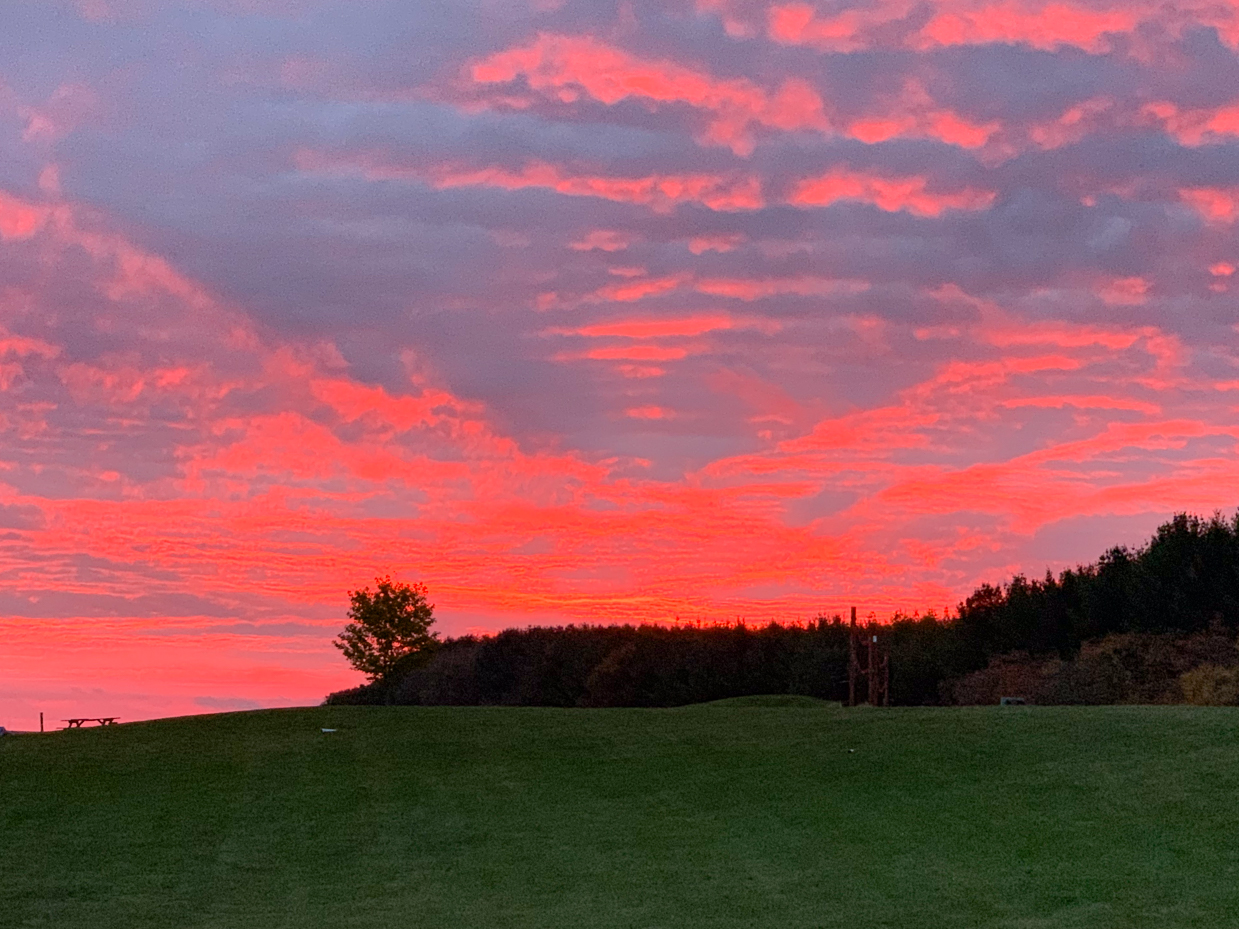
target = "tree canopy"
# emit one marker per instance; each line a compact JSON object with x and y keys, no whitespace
{"x":390,"y":628}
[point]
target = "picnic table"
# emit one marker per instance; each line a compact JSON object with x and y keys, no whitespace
{"x":76,"y":722}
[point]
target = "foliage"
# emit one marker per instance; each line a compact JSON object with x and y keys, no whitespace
{"x":1210,"y":685}
{"x":1119,"y":668}
{"x":1185,"y":580}
{"x":390,"y":629}
{"x":625,"y":666}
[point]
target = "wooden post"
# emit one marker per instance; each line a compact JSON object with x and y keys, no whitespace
{"x":872,"y":636}
{"x":853,"y":664}
{"x":886,"y":675}
{"x":40,"y":722}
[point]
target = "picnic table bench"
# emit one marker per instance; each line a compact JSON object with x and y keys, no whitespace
{"x":76,"y":722}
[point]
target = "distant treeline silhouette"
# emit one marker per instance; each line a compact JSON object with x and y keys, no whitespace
{"x":1135,"y":625}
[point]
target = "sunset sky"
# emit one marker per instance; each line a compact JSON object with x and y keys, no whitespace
{"x":587,"y":312}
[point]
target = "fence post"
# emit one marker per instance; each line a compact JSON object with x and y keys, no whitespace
{"x":886,"y":674}
{"x":853,"y":664}
{"x":874,"y":684}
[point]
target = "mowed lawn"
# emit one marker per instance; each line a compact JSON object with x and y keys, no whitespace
{"x":718,"y":815}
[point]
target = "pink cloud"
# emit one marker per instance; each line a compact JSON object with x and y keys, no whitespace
{"x":1218,"y":205}
{"x":649,"y":412}
{"x":1045,"y":26}
{"x":664,"y":327}
{"x":1195,"y":126}
{"x":632,"y":291}
{"x":633,"y":353}
{"x":661,"y":192}
{"x":1048,"y":26}
{"x":886,"y":193}
{"x":747,"y":289}
{"x":18,"y":219}
{"x":1124,"y":291}
{"x":912,"y":112}
{"x":607,"y":240}
{"x":701,"y":244}
{"x":756,"y":288}
{"x":565,"y":68}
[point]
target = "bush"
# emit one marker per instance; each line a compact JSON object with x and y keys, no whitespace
{"x":1211,"y":685}
{"x":1014,"y":675}
{"x":1126,"y":668}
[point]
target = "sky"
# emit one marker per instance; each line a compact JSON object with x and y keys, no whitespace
{"x":581,"y":311}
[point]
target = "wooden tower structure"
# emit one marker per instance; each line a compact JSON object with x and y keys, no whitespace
{"x":877,"y":666}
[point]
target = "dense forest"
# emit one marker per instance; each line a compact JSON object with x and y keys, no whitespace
{"x":1152,"y":624}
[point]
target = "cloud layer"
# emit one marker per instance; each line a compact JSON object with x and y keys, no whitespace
{"x":588,"y":311}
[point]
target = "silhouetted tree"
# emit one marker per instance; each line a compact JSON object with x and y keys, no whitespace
{"x":390,"y":629}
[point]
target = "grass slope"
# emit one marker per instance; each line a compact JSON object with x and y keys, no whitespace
{"x":780,"y":816}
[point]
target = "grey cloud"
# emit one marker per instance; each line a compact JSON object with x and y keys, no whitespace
{"x":18,"y":516}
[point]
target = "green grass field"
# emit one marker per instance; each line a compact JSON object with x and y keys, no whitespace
{"x":726,"y":815}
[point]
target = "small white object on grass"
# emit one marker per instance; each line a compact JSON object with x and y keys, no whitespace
{"x":328,"y":730}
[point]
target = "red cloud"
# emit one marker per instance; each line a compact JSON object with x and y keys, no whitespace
{"x":661,"y":192}
{"x":1214,"y":204}
{"x":18,"y":219}
{"x":649,"y":412}
{"x":736,"y":288}
{"x":607,"y":240}
{"x":564,"y":68}
{"x":1195,"y":126}
{"x":757,"y":288}
{"x":632,"y":291}
{"x":886,"y":193}
{"x":655,"y":328}
{"x":1042,"y":25}
{"x":1037,"y":23}
{"x":1124,"y":291}
{"x":633,"y":353}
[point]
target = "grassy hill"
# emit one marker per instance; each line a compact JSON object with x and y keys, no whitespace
{"x":735,"y":815}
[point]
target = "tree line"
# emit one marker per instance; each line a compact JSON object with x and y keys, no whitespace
{"x":1135,"y":624}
